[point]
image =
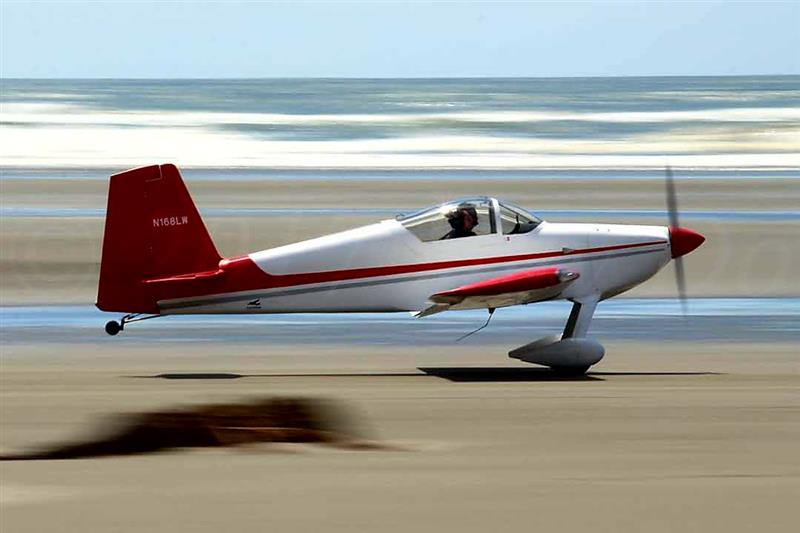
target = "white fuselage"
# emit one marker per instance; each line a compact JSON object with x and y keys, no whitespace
{"x":384,"y":267}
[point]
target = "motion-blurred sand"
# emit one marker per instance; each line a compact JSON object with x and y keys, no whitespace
{"x":669,"y":437}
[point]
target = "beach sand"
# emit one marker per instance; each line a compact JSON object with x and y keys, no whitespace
{"x":668,"y":437}
{"x":539,"y":193}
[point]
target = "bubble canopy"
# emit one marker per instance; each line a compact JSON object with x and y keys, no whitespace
{"x":469,"y":217}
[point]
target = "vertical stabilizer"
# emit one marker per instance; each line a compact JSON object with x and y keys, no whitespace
{"x":153,"y":230}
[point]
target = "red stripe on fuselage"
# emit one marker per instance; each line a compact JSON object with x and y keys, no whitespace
{"x":243,"y":274}
{"x":308,"y":278}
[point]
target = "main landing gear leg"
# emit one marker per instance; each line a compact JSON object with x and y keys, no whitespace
{"x":570,"y":353}
{"x":113,"y":327}
{"x":579,"y":319}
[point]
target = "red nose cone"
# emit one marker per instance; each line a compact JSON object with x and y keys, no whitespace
{"x":682,"y":241}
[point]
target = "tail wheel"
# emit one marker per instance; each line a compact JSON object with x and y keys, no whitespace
{"x":113,"y":327}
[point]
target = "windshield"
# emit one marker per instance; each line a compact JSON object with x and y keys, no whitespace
{"x":469,"y":217}
{"x":515,"y":220}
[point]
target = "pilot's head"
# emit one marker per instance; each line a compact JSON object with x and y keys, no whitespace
{"x":464,"y":217}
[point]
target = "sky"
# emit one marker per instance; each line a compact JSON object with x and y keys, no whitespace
{"x":385,"y":39}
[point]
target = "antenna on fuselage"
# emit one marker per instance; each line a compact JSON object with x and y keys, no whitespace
{"x":491,"y":312}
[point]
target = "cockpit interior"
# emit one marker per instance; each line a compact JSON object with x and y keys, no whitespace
{"x":469,"y":217}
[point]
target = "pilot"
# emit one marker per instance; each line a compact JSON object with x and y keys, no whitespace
{"x":462,"y":219}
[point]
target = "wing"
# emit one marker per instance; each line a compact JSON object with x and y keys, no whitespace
{"x":523,"y":287}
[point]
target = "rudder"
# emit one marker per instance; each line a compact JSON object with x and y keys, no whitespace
{"x":153,"y":230}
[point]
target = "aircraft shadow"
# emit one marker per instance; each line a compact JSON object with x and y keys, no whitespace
{"x":228,"y":375}
{"x":195,"y":375}
{"x":506,"y":374}
{"x":454,"y":374}
{"x":501,"y":374}
{"x":701,"y":373}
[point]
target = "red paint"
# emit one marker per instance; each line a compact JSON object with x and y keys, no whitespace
{"x":682,"y":241}
{"x":153,"y":230}
{"x":527,"y":280}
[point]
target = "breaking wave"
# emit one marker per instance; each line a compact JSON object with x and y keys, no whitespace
{"x":78,"y":127}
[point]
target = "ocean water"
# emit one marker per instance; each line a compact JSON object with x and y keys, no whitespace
{"x":736,"y":127}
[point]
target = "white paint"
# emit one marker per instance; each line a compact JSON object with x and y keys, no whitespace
{"x":388,"y":243}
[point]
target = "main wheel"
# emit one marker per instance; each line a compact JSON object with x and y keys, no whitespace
{"x":113,"y":327}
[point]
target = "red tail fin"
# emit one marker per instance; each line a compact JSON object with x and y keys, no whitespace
{"x":153,"y":230}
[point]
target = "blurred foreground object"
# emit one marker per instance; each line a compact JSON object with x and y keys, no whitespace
{"x":265,"y":420}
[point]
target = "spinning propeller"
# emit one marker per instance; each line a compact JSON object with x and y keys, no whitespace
{"x":682,"y":240}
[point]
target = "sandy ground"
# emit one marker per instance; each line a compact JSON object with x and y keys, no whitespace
{"x":562,"y":193}
{"x":673,"y":437}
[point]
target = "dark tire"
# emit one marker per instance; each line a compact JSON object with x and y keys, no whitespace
{"x":572,"y":371}
{"x":113,"y":327}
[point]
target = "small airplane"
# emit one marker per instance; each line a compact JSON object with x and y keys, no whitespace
{"x":474,"y":253}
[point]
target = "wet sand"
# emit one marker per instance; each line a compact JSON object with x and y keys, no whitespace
{"x":539,"y":193}
{"x":666,"y":437}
